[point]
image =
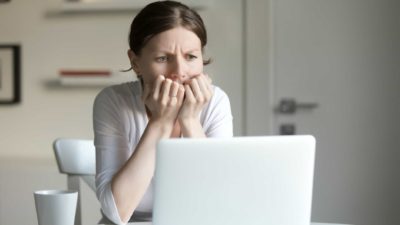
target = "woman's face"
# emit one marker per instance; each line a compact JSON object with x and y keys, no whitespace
{"x":175,"y":54}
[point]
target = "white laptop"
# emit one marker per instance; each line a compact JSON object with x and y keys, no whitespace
{"x":234,"y":181}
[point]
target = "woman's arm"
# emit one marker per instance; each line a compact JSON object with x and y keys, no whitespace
{"x":132,"y":180}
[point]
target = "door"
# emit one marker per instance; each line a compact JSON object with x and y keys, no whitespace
{"x":223,"y":20}
{"x":333,"y":67}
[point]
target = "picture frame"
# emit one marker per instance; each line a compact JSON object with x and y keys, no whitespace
{"x":10,"y":73}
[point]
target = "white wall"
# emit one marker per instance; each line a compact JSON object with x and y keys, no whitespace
{"x":95,"y":40}
{"x":48,"y":44}
{"x":47,"y":111}
{"x":52,"y":41}
{"x":19,"y":178}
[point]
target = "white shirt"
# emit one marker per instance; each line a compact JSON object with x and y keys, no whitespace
{"x":119,"y":120}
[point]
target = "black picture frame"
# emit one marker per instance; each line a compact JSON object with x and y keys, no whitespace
{"x":10,"y":74}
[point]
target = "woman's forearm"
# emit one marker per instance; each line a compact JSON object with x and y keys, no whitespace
{"x":192,"y":128}
{"x":132,"y":180}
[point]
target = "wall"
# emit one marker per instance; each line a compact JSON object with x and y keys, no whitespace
{"x":19,"y":178}
{"x":47,"y":110}
{"x":48,"y":44}
{"x":93,"y":40}
{"x":52,"y":41}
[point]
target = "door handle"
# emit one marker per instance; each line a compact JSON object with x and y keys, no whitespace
{"x":290,"y":106}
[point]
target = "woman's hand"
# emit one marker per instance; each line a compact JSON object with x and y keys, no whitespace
{"x":163,"y":99}
{"x":198,"y":92}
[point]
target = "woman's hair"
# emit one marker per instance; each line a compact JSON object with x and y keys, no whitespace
{"x":161,"y":16}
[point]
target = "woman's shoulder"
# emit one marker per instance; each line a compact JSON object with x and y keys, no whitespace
{"x":219,"y":98}
{"x":121,"y":91}
{"x":219,"y":93}
{"x":120,"y":96}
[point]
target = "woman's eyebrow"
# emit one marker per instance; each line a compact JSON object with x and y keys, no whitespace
{"x":168,"y":51}
{"x":173,"y":53}
{"x":192,"y":51}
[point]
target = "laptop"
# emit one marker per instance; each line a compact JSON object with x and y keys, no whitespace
{"x":234,"y":181}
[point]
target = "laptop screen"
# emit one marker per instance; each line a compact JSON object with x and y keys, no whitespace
{"x":235,"y":181}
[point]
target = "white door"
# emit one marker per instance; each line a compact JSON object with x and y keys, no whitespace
{"x":223,"y":19}
{"x":341,"y":59}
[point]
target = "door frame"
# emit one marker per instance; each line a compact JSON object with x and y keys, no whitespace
{"x":258,"y":77}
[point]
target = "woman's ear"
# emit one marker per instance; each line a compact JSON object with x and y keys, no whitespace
{"x":133,"y":58}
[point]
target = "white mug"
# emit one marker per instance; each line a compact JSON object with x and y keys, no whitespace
{"x":56,"y":207}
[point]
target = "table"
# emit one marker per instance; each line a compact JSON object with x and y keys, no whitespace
{"x":149,"y":223}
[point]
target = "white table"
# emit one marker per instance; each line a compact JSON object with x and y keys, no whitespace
{"x":149,"y":223}
{"x":312,"y":223}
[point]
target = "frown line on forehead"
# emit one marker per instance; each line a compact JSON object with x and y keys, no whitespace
{"x":173,"y":40}
{"x":174,"y":51}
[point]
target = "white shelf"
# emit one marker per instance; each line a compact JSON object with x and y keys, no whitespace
{"x":87,"y":81}
{"x":101,"y":6}
{"x":83,"y":6}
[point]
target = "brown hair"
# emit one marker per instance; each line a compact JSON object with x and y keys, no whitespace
{"x":161,"y":16}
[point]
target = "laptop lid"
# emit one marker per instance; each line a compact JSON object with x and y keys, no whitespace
{"x":236,"y":181}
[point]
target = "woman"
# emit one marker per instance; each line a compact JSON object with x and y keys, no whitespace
{"x":173,"y":98}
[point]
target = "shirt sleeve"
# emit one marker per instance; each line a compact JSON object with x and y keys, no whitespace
{"x":112,"y":151}
{"x":217,"y":117}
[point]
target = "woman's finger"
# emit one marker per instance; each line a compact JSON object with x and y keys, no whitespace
{"x":194,"y":85}
{"x":204,"y":87}
{"x":174,"y":92}
{"x":165,"y":91}
{"x":181,"y":94}
{"x":157,"y":86}
{"x":208,"y":82}
{"x":174,"y":89}
{"x":189,"y":96}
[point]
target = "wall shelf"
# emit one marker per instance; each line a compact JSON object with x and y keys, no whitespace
{"x":82,"y":6}
{"x":89,"y":78}
{"x":93,"y":81}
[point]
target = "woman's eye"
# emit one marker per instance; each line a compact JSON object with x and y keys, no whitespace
{"x":162,"y":59}
{"x":191,"y":57}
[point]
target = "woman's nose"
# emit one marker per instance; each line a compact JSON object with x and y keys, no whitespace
{"x":179,"y":70}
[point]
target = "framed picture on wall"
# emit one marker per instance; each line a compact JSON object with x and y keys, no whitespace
{"x":10,"y":92}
